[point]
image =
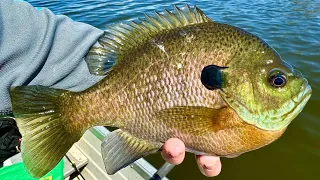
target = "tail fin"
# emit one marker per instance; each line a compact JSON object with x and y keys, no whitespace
{"x":46,"y":137}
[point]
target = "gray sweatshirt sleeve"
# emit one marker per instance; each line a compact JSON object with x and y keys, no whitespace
{"x":40,"y":48}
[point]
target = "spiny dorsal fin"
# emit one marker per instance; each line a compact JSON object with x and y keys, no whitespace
{"x":121,"y":38}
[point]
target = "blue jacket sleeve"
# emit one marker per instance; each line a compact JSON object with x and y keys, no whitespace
{"x":40,"y":48}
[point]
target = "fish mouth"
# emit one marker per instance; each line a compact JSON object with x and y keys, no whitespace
{"x":302,"y":95}
{"x":300,"y":100}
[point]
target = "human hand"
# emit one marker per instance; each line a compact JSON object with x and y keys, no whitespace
{"x":174,"y":151}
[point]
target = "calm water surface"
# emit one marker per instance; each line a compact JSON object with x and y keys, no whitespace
{"x":292,"y":27}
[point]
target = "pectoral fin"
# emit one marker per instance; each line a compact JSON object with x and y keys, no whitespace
{"x":120,"y":148}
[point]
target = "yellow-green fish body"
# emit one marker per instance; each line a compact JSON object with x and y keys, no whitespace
{"x":159,"y":87}
{"x":156,"y":92}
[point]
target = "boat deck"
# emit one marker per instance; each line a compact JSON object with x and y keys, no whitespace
{"x":86,"y":156}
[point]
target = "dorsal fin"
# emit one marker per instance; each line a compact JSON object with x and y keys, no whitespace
{"x":119,"y":39}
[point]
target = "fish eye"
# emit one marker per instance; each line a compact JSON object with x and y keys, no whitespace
{"x":277,"y":78}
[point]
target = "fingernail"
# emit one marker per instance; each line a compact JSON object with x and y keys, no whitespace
{"x":208,"y":166}
{"x":175,"y":152}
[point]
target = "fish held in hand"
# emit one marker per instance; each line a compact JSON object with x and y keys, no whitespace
{"x":218,"y":88}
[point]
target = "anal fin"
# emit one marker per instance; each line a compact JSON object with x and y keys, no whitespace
{"x":120,"y":148}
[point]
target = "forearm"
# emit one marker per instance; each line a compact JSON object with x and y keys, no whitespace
{"x":38,"y":47}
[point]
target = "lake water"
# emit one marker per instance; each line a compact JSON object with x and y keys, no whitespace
{"x":292,"y":27}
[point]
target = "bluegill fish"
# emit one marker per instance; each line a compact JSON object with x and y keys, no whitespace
{"x":220,"y":89}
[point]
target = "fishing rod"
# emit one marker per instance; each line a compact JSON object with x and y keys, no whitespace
{"x":73,"y":164}
{"x":162,"y":171}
